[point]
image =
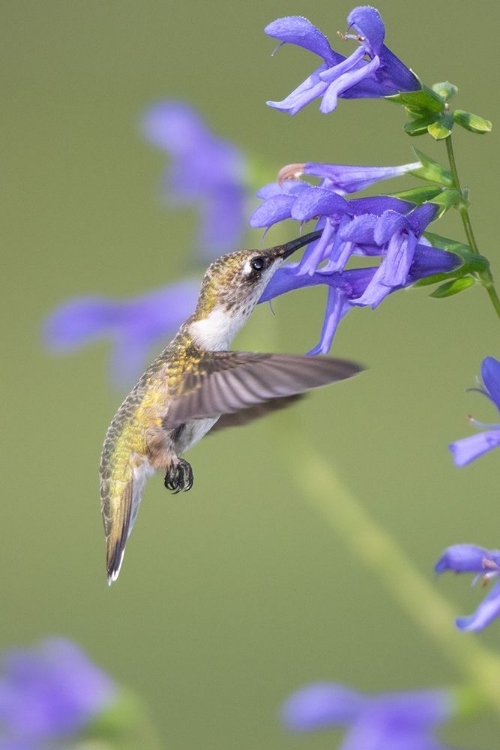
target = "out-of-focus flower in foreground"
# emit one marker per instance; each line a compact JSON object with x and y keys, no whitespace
{"x":49,"y":694}
{"x":469,"y":558}
{"x":134,"y":326}
{"x":467,"y":449}
{"x":392,"y":721}
{"x":372,"y":71}
{"x":205,"y":171}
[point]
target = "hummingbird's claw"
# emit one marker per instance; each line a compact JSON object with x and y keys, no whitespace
{"x":179,"y":477}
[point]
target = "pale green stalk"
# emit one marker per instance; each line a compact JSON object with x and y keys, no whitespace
{"x":372,"y":546}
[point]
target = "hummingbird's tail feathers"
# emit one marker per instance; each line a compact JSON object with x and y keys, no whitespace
{"x":120,"y":501}
{"x":227,"y":382}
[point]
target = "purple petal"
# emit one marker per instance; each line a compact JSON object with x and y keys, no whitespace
{"x":350,"y":179}
{"x":429,"y":260}
{"x":469,"y":448}
{"x":78,"y":322}
{"x":277,"y":208}
{"x":345,"y":82}
{"x":319,"y":705}
{"x":303,"y":95}
{"x":484,"y":614}
{"x":367,"y":22}
{"x":316,"y":201}
{"x":379,"y":204}
{"x":465,"y":558}
{"x":298,"y":30}
{"x":174,"y":127}
{"x":51,"y":691}
{"x":490,"y":373}
{"x":336,"y":307}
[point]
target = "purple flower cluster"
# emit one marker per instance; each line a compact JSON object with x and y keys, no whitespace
{"x":383,"y":226}
{"x":372,"y":71}
{"x":392,"y":721}
{"x":49,"y":694}
{"x":205,"y":171}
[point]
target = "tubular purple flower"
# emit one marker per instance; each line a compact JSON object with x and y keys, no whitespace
{"x":134,"y":326}
{"x":469,"y":558}
{"x":382,"y":74}
{"x":382,"y":225}
{"x":50,"y":693}
{"x":205,"y":171}
{"x":345,"y":288}
{"x":392,"y":721}
{"x":467,"y":449}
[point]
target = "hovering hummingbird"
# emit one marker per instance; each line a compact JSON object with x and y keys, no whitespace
{"x":196,"y":384}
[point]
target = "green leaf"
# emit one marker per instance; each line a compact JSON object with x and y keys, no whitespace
{"x":419,"y":195}
{"x":432,"y":171}
{"x":446,"y":199}
{"x":444,"y":243}
{"x":442,"y":127}
{"x":428,"y":280}
{"x":445,"y":90}
{"x":420,"y":125}
{"x":425,"y":100}
{"x":469,"y":121}
{"x":453,"y":287}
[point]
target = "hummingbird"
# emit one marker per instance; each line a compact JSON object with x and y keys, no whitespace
{"x":197,"y":384}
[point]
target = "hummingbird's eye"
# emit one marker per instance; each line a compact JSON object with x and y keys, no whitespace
{"x":257,"y":264}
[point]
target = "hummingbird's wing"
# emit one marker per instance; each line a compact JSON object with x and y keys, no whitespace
{"x":228,"y":382}
{"x":245,"y":416}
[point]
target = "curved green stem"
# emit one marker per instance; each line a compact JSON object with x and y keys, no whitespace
{"x":381,"y":554}
{"x":487,"y":279}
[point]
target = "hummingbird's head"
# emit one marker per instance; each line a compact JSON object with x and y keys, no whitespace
{"x":232,"y":286}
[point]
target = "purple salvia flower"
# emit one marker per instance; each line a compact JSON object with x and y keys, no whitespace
{"x":50,"y":693}
{"x":134,"y":326}
{"x":382,"y":225}
{"x":469,"y":448}
{"x":382,"y":74}
{"x":393,"y":721}
{"x":347,"y":287}
{"x":469,"y":558}
{"x":205,"y":171}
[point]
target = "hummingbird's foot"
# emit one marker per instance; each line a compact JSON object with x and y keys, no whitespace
{"x":179,"y":477}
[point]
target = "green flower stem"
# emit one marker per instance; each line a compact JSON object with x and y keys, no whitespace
{"x":371,"y":545}
{"x":487,"y":279}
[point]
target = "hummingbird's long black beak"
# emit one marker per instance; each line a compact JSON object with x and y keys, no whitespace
{"x":284,"y":251}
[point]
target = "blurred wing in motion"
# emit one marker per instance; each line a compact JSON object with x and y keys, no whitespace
{"x":232,"y":382}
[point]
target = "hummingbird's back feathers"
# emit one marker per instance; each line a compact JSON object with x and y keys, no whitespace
{"x":230,"y":382}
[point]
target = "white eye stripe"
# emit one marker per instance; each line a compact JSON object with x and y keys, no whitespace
{"x":247,"y":268}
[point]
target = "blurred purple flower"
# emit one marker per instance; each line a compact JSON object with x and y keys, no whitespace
{"x":205,"y":171}
{"x":392,"y":721}
{"x":469,"y":558}
{"x":134,"y":326}
{"x":372,"y":71}
{"x":346,"y":288}
{"x":467,"y":449}
{"x":49,"y":693}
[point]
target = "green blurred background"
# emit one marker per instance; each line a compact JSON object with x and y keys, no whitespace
{"x":234,"y":595}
